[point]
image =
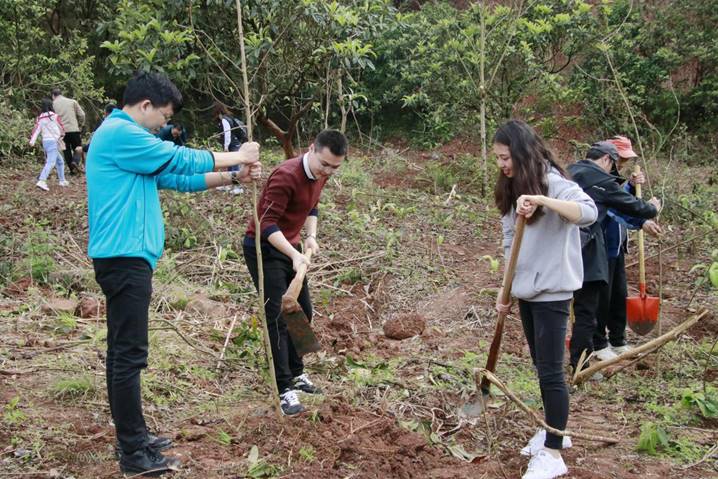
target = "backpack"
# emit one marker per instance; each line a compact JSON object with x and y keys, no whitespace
{"x":239,"y":129}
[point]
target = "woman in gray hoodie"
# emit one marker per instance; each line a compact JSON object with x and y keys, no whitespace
{"x":548,"y":271}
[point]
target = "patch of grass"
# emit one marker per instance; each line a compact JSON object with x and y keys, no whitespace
{"x":307,"y":453}
{"x":162,"y":391}
{"x":350,"y":276}
{"x":371,"y":371}
{"x":259,"y":467}
{"x":223,"y":438}
{"x":73,"y":388}
{"x":38,"y":250}
{"x":65,"y":323}
{"x":12,"y":415}
{"x":354,"y":173}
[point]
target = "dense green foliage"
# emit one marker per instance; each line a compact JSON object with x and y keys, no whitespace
{"x":381,"y":67}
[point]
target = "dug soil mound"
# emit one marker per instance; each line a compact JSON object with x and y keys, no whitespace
{"x":404,"y":326}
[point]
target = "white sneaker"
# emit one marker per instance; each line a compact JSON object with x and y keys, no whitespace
{"x":544,"y":466}
{"x":289,"y":403}
{"x":621,"y":349}
{"x":535,"y":444}
{"x":42,"y":184}
{"x":63,"y":183}
{"x":605,"y":354}
{"x":304,"y":384}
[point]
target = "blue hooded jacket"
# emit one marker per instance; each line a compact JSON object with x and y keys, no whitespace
{"x":126,"y":167}
{"x":615,"y":226}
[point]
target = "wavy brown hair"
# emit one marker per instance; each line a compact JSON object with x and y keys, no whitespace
{"x":530,"y":158}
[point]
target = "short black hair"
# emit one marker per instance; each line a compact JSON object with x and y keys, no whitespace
{"x":155,"y":87}
{"x":56,"y":91}
{"x":594,"y":154}
{"x":46,"y":105}
{"x":332,"y":139}
{"x":109,"y":107}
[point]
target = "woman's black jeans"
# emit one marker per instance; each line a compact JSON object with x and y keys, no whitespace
{"x":545,"y":329}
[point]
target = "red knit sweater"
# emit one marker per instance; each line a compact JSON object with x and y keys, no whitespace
{"x":288,"y":198}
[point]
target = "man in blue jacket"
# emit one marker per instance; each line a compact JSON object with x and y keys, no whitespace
{"x":126,"y":167}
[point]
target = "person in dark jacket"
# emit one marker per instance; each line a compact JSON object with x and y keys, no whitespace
{"x":173,"y":132}
{"x":592,"y":174}
{"x":233,"y":135}
{"x":611,"y":315}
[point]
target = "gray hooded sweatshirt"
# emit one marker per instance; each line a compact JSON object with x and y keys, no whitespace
{"x":549,"y":266}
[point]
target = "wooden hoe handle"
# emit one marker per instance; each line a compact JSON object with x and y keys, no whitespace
{"x":290,"y":297}
{"x":641,"y":246}
{"x":505,"y":298}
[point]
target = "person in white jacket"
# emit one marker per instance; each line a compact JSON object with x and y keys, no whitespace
{"x":49,"y":126}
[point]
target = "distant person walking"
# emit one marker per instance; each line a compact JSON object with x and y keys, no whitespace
{"x":233,"y":135}
{"x":49,"y":125}
{"x":73,"y":117}
{"x":78,"y":158}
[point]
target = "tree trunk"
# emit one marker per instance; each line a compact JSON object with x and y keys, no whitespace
{"x":284,"y":137}
{"x":342,"y":106}
{"x":482,"y":95}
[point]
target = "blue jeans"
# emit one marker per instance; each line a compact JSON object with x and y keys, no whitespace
{"x":52,"y":158}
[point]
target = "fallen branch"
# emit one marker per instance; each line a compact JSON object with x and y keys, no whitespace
{"x":15,"y":372}
{"x":613,"y":372}
{"x":172,"y":327}
{"x":226,"y":341}
{"x":647,"y":348}
{"x":711,"y":453}
{"x":534,"y":415}
{"x":320,"y":267}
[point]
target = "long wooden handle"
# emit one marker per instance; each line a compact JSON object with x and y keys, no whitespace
{"x":513,"y":259}
{"x":296,"y":285}
{"x":505,"y":298}
{"x":641,"y":246}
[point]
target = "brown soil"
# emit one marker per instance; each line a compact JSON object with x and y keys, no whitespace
{"x":404,"y":326}
{"x":352,"y":432}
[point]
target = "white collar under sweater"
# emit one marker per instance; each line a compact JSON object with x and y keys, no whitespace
{"x":307,"y":170}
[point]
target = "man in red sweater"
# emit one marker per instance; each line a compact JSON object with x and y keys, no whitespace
{"x":289,"y":202}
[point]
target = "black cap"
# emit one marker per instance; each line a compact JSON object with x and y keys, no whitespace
{"x":607,"y":148}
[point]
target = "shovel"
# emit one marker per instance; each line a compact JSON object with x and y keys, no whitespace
{"x":475,"y":407}
{"x":641,"y":310}
{"x":303,"y":338}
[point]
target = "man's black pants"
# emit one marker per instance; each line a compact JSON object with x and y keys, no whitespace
{"x":545,"y":329}
{"x":585,"y":307}
{"x":612,"y":306}
{"x":278,"y":273}
{"x":127,"y":285}
{"x":72,"y":140}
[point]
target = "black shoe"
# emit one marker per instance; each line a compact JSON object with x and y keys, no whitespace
{"x":155,"y":442}
{"x":158,"y":443}
{"x":290,"y":403}
{"x":304,"y":384}
{"x":147,"y":461}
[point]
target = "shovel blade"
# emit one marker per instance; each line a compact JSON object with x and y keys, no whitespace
{"x":303,"y":337}
{"x":642,"y":313}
